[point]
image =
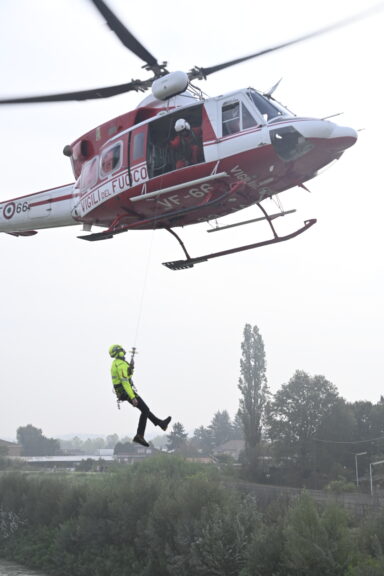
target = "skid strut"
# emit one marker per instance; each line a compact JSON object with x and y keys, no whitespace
{"x":190,"y":262}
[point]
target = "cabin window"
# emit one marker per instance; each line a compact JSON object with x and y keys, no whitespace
{"x":138,"y":150}
{"x":236,"y":117}
{"x":111,"y":159}
{"x":231,"y":117}
{"x":89,"y":174}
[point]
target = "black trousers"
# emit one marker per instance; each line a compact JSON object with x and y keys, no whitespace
{"x":145,"y":413}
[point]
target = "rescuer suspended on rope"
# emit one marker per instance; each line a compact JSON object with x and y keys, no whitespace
{"x":121,"y":372}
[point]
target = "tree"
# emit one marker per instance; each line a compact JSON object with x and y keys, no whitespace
{"x":370,"y":423}
{"x":378,"y":425}
{"x":295,"y":416}
{"x":112,"y":440}
{"x":93,"y":445}
{"x":124,"y":448}
{"x":221,"y":428}
{"x":74,"y":444}
{"x":369,"y":432}
{"x":237,"y":428}
{"x":202,"y":440}
{"x":334,"y":458}
{"x":177,"y":438}
{"x":362,"y":410}
{"x":317,"y":542}
{"x":254,"y":391}
{"x":35,"y":444}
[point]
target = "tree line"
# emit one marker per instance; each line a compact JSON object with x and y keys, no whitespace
{"x":170,"y":517}
{"x":310,"y":433}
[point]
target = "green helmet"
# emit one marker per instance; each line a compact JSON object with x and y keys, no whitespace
{"x":116,"y":351}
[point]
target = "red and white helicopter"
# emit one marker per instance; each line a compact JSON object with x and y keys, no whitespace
{"x":179,"y":158}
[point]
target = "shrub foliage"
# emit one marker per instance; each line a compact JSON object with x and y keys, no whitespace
{"x":168,"y":517}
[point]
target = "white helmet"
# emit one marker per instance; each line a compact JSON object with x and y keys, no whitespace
{"x":181,"y":125}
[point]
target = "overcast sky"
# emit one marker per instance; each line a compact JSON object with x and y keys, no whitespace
{"x":317,"y":299}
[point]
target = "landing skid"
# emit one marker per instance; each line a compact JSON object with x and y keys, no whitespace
{"x":190,"y":262}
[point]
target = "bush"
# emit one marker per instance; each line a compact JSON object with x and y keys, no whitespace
{"x":340,"y":486}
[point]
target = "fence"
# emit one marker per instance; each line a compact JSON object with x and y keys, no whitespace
{"x":358,"y":504}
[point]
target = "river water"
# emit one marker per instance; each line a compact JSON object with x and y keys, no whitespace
{"x":11,"y":569}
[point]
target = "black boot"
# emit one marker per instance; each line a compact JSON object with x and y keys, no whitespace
{"x":140,"y":440}
{"x":164,"y":423}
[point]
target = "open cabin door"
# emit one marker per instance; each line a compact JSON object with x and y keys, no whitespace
{"x":168,"y":149}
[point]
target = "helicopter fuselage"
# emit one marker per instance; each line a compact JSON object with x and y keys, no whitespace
{"x":137,"y":172}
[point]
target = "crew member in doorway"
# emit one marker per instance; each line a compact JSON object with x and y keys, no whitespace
{"x":121,"y":372}
{"x":186,"y":145}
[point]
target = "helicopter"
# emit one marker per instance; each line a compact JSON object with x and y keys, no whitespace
{"x":180,"y":158}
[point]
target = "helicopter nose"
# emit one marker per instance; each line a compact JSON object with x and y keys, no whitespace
{"x":308,"y":135}
{"x":343,"y":136}
{"x":328,"y":131}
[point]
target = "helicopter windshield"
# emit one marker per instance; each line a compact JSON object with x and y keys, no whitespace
{"x":268,"y":110}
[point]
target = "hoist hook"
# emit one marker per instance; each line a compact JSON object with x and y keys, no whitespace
{"x":133,"y":352}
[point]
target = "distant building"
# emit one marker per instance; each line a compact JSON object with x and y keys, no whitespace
{"x":12,"y":450}
{"x":231,"y":448}
{"x":101,"y":459}
{"x":64,"y":462}
{"x":136,"y":454}
{"x":105,"y":452}
{"x":201,"y":459}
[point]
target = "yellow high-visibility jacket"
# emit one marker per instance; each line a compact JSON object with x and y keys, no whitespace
{"x":121,"y":373}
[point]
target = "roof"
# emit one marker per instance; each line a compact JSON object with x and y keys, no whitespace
{"x":231,"y":445}
{"x":7,"y":443}
{"x":232,"y":448}
{"x":76,"y":458}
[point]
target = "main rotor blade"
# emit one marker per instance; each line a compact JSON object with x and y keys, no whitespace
{"x":93,"y":94}
{"x":202,"y":73}
{"x":159,"y":69}
{"x":127,"y":38}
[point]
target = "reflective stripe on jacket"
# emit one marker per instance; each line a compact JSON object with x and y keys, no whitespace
{"x":121,"y":373}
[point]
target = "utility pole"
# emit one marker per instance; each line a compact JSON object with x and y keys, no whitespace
{"x":370,"y":472}
{"x":357,"y":471}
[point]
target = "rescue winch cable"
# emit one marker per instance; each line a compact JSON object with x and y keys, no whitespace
{"x":133,"y":350}
{"x":142,"y":296}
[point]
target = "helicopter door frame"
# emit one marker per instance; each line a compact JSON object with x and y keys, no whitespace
{"x":137,"y":155}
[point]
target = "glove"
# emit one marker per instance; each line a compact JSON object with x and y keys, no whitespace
{"x":134,"y":401}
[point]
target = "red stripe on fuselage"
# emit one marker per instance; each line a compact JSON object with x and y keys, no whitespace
{"x":51,"y":200}
{"x":40,"y":192}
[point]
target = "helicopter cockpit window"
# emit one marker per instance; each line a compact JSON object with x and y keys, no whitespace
{"x":89,"y":174}
{"x":266,"y":108}
{"x":111,"y":159}
{"x":247,"y":119}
